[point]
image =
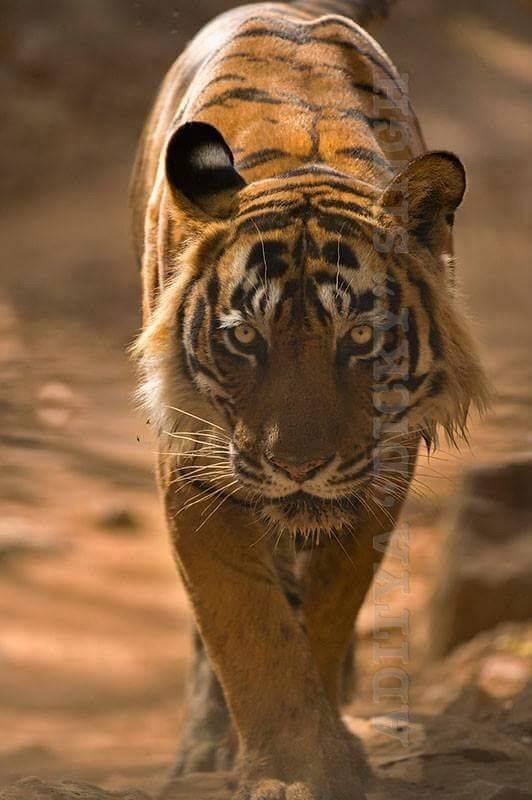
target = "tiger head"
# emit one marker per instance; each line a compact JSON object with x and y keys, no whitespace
{"x":314,"y":316}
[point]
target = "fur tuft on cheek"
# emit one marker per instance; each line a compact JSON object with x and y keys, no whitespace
{"x":156,"y":353}
{"x":459,"y":382}
{"x":163,"y":388}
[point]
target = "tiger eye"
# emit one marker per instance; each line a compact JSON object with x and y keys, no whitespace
{"x":245,"y":334}
{"x":362,"y":334}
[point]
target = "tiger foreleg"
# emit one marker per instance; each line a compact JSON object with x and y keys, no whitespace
{"x":209,"y":739}
{"x":335,"y":582}
{"x":292,"y":744}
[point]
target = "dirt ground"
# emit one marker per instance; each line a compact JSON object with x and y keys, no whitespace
{"x":94,"y":640}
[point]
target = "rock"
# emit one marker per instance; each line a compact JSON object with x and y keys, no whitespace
{"x":200,"y":786}
{"x":483,"y":790}
{"x":504,"y":675}
{"x":473,"y":703}
{"x":482,"y":677}
{"x":35,"y":789}
{"x":486,"y":575}
{"x":218,"y":786}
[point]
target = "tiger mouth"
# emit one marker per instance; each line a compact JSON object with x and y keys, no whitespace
{"x":305,"y":514}
{"x":302,"y":503}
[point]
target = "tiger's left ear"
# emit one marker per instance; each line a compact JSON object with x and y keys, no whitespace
{"x":423,"y":198}
{"x":200,"y":168}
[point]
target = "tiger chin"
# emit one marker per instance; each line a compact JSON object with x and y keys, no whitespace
{"x":307,"y":518}
{"x":302,"y":336}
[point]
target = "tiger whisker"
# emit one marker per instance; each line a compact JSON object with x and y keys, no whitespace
{"x":419,"y":471}
{"x":404,"y":486}
{"x":200,"y":419}
{"x":279,"y":537}
{"x":225,"y":499}
{"x":215,"y":496}
{"x":210,"y":435}
{"x":263,"y":279}
{"x":203,"y":442}
{"x":190,"y":477}
{"x":337,"y":539}
{"x":371,"y":497}
{"x":198,"y":468}
{"x":200,"y":497}
{"x":398,"y":476}
{"x":359,"y":497}
{"x":190,"y":454}
{"x":213,"y":480}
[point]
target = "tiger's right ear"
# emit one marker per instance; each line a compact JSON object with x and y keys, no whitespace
{"x":423,"y":198}
{"x":200,"y":167}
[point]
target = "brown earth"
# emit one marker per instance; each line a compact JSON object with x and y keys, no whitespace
{"x":94,"y":641}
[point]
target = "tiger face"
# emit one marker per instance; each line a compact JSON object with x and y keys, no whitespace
{"x":319,"y":327}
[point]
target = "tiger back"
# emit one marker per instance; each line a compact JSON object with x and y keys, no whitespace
{"x":286,"y":89}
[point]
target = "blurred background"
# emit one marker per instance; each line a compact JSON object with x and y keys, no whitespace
{"x":94,"y":632}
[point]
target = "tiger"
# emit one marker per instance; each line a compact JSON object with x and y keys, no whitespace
{"x":303,"y":335}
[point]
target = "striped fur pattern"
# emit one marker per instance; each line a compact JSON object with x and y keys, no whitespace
{"x":364,"y":12}
{"x":270,"y":239}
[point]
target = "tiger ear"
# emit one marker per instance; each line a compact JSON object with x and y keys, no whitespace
{"x":423,"y":198}
{"x":200,"y":167}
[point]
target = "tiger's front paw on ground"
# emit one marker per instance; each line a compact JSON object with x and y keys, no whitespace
{"x":275,"y":790}
{"x":278,"y":790}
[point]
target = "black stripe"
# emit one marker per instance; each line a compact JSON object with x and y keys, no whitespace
{"x":394,"y":294}
{"x":425,"y":296}
{"x":364,"y":154}
{"x":338,"y":253}
{"x":300,"y":37}
{"x":213,"y":290}
{"x":238,"y":298}
{"x":268,"y":222}
{"x":313,"y":169}
{"x":340,"y":223}
{"x":437,"y":384}
{"x":250,"y":460}
{"x":356,"y":459}
{"x":303,"y":36}
{"x":354,"y":475}
{"x":311,"y":68}
{"x":350,"y":27}
{"x":267,"y":257}
{"x":412,"y":384}
{"x":293,"y":598}
{"x":365,"y":302}
{"x":228,"y":76}
{"x":197,"y":322}
{"x":262,"y":157}
{"x":345,"y":206}
{"x":316,"y":187}
{"x":370,"y":88}
{"x":413,"y":341}
{"x":246,"y":95}
{"x":313,"y":301}
{"x":270,"y":206}
{"x":197,"y":368}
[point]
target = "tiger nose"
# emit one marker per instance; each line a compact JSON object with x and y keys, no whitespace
{"x":299,"y":471}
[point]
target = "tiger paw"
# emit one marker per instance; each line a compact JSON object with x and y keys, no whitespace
{"x":274,"y":790}
{"x":278,"y":790}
